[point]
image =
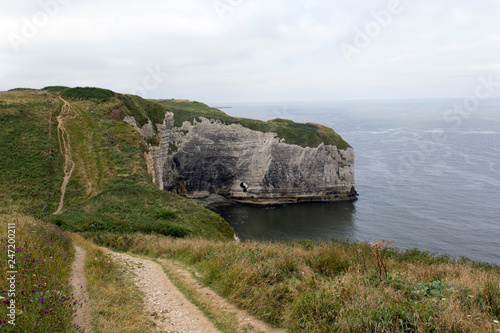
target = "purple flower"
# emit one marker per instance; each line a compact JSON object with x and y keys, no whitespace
{"x":22,"y":291}
{"x":33,"y":290}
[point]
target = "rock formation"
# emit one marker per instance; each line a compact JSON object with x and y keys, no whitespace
{"x":206,"y":156}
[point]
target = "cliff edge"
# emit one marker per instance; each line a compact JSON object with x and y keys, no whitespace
{"x":198,"y":150}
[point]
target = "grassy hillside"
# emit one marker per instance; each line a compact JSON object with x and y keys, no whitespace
{"x":30,"y":163}
{"x":305,"y":135}
{"x":311,"y":286}
{"x":43,"y":294}
{"x":110,"y":189}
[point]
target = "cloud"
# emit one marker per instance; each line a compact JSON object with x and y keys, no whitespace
{"x":251,"y":50}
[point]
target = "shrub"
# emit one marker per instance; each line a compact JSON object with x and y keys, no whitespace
{"x":166,"y":214}
{"x":88,"y":93}
{"x":328,"y":263}
{"x":55,"y":88}
{"x":164,"y":229}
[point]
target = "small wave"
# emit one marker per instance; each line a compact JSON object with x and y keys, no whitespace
{"x":443,"y":131}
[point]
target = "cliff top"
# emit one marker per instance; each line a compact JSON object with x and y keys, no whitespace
{"x":302,"y":134}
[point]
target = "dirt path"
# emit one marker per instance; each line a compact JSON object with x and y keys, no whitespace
{"x":166,"y":305}
{"x":82,"y":316}
{"x":246,"y":322}
{"x":65,"y":148}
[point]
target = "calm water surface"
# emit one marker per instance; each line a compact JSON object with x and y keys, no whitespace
{"x":428,"y":177}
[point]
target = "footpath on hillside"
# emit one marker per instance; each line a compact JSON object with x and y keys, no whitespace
{"x":65,"y":148}
{"x":79,"y":284}
{"x":166,"y":306}
{"x":171,"y":310}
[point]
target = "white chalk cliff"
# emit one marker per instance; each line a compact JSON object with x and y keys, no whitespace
{"x":206,"y":156}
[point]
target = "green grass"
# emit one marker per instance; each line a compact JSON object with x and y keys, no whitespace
{"x":30,"y":163}
{"x":127,"y":206}
{"x":43,"y":295}
{"x":115,"y":302}
{"x":142,"y":110}
{"x":311,"y":286}
{"x":305,"y":135}
{"x":87,"y":93}
{"x":110,"y":189}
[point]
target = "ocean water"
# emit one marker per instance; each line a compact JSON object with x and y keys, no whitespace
{"x":428,"y":175}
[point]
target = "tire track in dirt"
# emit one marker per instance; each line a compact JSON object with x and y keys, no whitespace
{"x":163,"y":302}
{"x":246,"y":322}
{"x":79,"y":284}
{"x":65,"y":148}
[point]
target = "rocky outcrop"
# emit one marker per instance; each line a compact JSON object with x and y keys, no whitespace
{"x":206,"y":156}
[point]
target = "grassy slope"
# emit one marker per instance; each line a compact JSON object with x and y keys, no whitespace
{"x":318,"y":287}
{"x":30,"y":163}
{"x":43,"y":296}
{"x":110,"y":189}
{"x":305,"y":135}
{"x":44,"y":255}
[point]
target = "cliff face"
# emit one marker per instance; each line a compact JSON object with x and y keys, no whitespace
{"x":206,"y":156}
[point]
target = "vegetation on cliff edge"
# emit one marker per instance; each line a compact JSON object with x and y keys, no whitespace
{"x":302,"y":134}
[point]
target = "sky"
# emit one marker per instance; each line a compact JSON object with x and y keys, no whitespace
{"x":254,"y":50}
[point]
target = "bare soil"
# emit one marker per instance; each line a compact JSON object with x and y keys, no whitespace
{"x":163,"y":302}
{"x":246,"y":322}
{"x":64,"y":144}
{"x":78,"y":282}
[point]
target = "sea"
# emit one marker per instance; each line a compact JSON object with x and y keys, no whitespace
{"x":427,"y":173}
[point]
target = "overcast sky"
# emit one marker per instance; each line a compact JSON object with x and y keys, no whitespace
{"x":253,"y":50}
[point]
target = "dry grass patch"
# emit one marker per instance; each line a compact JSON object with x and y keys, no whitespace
{"x":313,"y":286}
{"x":115,"y":301}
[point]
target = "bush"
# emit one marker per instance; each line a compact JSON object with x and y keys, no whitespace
{"x":165,"y":229}
{"x":88,"y":93}
{"x":328,"y":263}
{"x":166,"y":214}
{"x":55,"y":88}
